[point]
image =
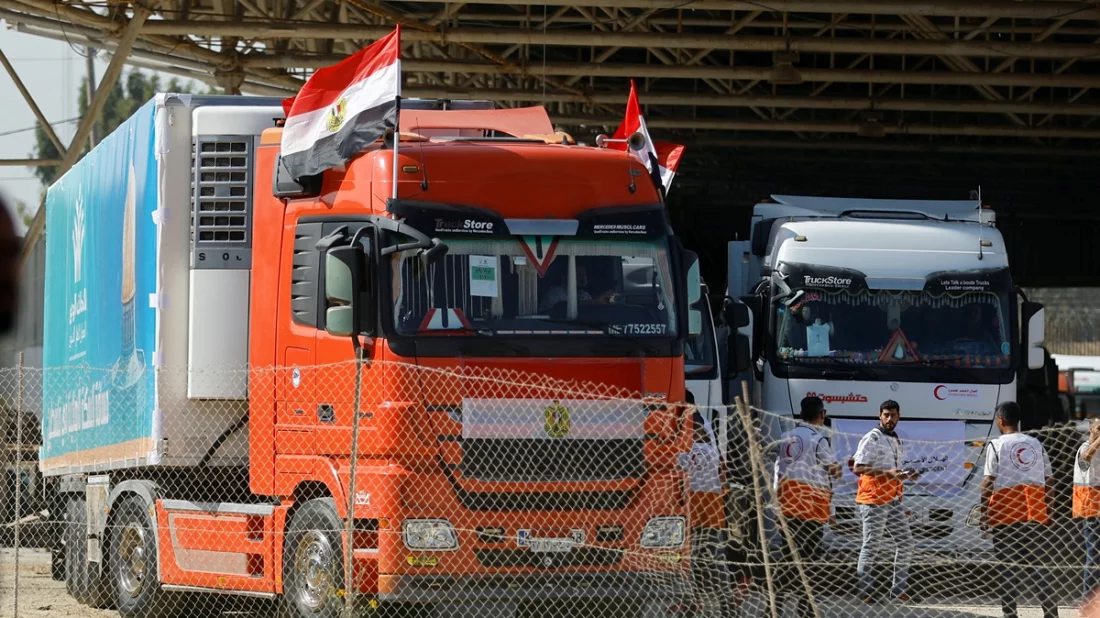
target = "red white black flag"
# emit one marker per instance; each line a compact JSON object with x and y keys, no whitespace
{"x":662,"y":158}
{"x":343,"y":108}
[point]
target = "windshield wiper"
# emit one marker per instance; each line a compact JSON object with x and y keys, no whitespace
{"x":607,"y":328}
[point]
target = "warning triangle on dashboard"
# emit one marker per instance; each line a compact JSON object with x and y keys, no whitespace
{"x":540,"y":250}
{"x":898,"y":350}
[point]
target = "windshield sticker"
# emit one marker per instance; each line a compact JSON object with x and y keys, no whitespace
{"x":965,"y":285}
{"x":628,"y":229}
{"x":463,"y":226}
{"x":832,"y":281}
{"x":483,"y":276}
{"x":817,"y":338}
{"x":639,"y":329}
{"x":541,"y":250}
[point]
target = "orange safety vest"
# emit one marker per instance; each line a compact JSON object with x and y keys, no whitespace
{"x":1020,"y":467}
{"x":802,"y":483}
{"x":1086,"y":485}
{"x":708,"y":507}
{"x":876,"y":446}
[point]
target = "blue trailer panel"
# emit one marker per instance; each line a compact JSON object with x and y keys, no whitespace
{"x":99,"y":334}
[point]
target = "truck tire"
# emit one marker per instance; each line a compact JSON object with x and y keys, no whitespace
{"x":83,"y":581}
{"x":132,"y":562}
{"x":313,"y":562}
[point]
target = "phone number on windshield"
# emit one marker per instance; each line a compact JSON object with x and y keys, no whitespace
{"x":640,"y":329}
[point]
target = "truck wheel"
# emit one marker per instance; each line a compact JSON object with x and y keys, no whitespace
{"x":82,"y":579}
{"x":313,"y":565}
{"x":132,"y":562}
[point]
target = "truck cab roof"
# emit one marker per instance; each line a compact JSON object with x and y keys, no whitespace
{"x":881,"y":248}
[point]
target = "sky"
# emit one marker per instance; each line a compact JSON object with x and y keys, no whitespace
{"x":52,"y":72}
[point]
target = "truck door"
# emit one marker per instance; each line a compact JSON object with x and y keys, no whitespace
{"x":335,"y":377}
{"x":296,"y":407}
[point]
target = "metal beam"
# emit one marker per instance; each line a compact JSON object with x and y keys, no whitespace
{"x":887,"y":146}
{"x":772,"y":24}
{"x":156,"y":61}
{"x":29,"y":162}
{"x":620,"y":70}
{"x":734,"y":100}
{"x":46,"y":126}
{"x":960,"y":8}
{"x":95,"y":108}
{"x":699,"y":124}
{"x":577,"y":38}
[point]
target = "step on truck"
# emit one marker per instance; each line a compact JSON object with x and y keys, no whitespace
{"x":517,"y":313}
{"x":859,"y":301}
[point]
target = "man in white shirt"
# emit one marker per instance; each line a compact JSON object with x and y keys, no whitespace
{"x":804,"y":468}
{"x":1086,"y":504}
{"x":1014,"y":507}
{"x":878,"y":463}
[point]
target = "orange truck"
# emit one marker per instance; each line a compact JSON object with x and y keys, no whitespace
{"x":511,"y":327}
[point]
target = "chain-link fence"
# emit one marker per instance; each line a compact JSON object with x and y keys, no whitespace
{"x":481,"y":490}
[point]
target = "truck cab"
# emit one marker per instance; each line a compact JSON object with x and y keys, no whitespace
{"x":447,"y":372}
{"x":861,"y":301}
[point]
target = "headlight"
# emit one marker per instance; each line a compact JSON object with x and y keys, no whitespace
{"x":435,"y":534}
{"x":663,"y":532}
{"x":975,"y":517}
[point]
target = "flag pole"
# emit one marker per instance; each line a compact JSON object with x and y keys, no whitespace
{"x":396,"y":136}
{"x":397,"y":113}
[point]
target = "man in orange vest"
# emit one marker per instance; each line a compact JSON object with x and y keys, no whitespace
{"x":1086,"y":504}
{"x":803,"y":468}
{"x":1014,"y":506}
{"x":710,"y":564}
{"x":878,"y":462}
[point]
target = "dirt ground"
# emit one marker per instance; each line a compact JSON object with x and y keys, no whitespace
{"x":41,"y":597}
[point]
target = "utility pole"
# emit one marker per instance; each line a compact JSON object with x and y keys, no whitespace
{"x":89,"y":60}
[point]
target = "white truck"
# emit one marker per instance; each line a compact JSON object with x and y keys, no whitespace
{"x":860,"y":301}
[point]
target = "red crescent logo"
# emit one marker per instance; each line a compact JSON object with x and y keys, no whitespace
{"x":1020,"y":456}
{"x":936,"y":392}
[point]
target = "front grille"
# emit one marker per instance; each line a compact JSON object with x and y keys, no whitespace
{"x":932,"y":531}
{"x":545,"y":501}
{"x":503,"y":460}
{"x":523,"y":558}
{"x":939,"y":515}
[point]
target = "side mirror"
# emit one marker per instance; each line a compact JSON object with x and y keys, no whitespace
{"x":739,"y":356}
{"x":694,"y":287}
{"x":434,"y":253}
{"x":694,"y":281}
{"x":340,"y":321}
{"x":343,"y":268}
{"x":1034,"y":317}
{"x":735,"y":314}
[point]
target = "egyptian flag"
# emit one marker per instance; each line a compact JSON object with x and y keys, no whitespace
{"x":662,"y":158}
{"x":343,"y":108}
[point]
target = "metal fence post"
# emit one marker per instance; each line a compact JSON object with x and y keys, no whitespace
{"x":18,"y":479}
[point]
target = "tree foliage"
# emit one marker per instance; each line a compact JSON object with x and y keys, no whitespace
{"x":129,"y":93}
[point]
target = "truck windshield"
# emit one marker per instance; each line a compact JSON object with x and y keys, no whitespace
{"x":880,"y":327}
{"x":522,"y":287}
